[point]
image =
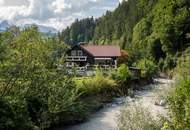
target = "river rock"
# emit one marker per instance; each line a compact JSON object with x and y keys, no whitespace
{"x":160,"y":103}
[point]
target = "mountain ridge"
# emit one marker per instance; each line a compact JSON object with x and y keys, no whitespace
{"x":5,"y":24}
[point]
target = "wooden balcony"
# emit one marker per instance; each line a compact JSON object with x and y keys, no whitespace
{"x":76,"y":58}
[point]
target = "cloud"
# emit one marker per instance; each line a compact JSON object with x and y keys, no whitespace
{"x":55,"y":13}
{"x":120,"y":1}
{"x":60,"y":6}
{"x":1,"y":2}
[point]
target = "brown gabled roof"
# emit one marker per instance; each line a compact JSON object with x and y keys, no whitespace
{"x":102,"y":50}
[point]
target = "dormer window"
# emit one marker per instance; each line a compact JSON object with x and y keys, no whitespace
{"x":73,"y":53}
{"x":80,"y":53}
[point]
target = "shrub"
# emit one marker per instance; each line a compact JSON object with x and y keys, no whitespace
{"x":136,"y":117}
{"x":161,"y":64}
{"x":122,"y":75}
{"x":124,"y":57}
{"x":63,"y":102}
{"x":179,"y":99}
{"x":53,"y":102}
{"x":148,"y":67}
{"x":14,"y":115}
{"x":95,"y":85}
{"x":169,"y":63}
{"x":183,"y":64}
{"x":180,"y":105}
{"x":37,"y":94}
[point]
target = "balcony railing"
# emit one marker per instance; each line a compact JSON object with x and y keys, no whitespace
{"x":76,"y":58}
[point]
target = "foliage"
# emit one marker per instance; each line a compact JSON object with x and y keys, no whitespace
{"x":124,"y":59}
{"x":163,"y":32}
{"x":180,"y":98}
{"x":148,"y":68}
{"x":80,"y":31}
{"x":123,"y":74}
{"x":13,"y":113}
{"x":180,"y":106}
{"x":110,"y":28}
{"x":96,"y":85}
{"x":169,"y":63}
{"x":34,"y":92}
{"x":183,"y":65}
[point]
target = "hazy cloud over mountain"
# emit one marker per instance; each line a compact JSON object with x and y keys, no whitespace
{"x":55,"y":13}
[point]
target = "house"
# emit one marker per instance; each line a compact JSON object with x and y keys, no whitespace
{"x":88,"y":56}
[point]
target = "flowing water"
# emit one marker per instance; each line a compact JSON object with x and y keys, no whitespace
{"x":106,"y":119}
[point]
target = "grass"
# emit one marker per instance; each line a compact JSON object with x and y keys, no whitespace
{"x":96,"y":91}
{"x":136,"y":117}
{"x":95,"y":85}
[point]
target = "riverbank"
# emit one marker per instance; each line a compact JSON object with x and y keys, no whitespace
{"x":106,"y":118}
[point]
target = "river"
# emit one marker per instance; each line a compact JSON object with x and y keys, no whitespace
{"x":106,"y":119}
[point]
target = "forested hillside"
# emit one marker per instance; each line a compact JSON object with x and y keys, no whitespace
{"x":79,"y":31}
{"x":113,"y":27}
{"x":159,"y":29}
{"x":164,"y":31}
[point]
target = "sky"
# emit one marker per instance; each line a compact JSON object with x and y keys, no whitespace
{"x":55,"y":13}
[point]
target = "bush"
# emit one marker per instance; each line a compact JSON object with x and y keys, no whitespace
{"x":124,"y":57}
{"x":183,"y":64}
{"x":136,"y":117}
{"x":180,"y":105}
{"x":148,"y":68}
{"x":63,"y":103}
{"x":122,"y":74}
{"x":34,"y":94}
{"x":54,"y":102}
{"x":58,"y":105}
{"x":95,"y":85}
{"x":169,"y":63}
{"x":161,"y":65}
{"x":179,"y":99}
{"x":14,"y":115}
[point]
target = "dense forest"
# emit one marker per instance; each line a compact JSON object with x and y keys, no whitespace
{"x":113,"y":27}
{"x":36,"y":91}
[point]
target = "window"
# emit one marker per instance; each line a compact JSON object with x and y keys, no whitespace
{"x":80,"y":53}
{"x":73,"y":53}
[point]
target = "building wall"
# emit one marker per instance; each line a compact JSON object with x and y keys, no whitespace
{"x":90,"y":59}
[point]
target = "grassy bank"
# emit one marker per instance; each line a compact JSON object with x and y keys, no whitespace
{"x":100,"y":89}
